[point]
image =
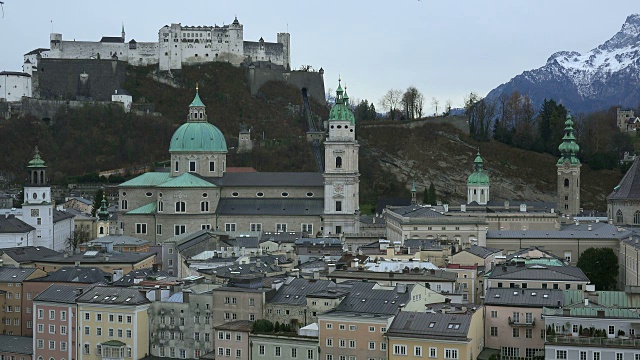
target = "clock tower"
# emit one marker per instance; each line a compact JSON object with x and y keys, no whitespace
{"x":37,"y":209}
{"x":341,"y":176}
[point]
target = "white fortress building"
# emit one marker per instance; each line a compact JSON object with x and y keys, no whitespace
{"x":177,"y":45}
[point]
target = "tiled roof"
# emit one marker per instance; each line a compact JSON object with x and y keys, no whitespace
{"x":86,"y":275}
{"x":13,"y":225}
{"x":257,"y":179}
{"x":144,"y":209}
{"x":62,"y":293}
{"x":27,"y":254}
{"x":431,"y":325}
{"x":130,"y":278}
{"x":275,"y":207}
{"x":15,"y":275}
{"x":629,"y":186}
{"x":113,"y":295}
{"x":61,"y":215}
{"x":598,"y":231}
{"x":147,"y":179}
{"x":238,"y":325}
{"x":481,"y":251}
{"x":368,"y":297}
{"x":295,"y":291}
{"x":524,"y":297}
{"x":114,"y":257}
{"x":538,"y":272}
{"x":10,"y":344}
{"x":186,"y":180}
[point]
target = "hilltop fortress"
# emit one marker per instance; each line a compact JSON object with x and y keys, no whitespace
{"x":177,"y":45}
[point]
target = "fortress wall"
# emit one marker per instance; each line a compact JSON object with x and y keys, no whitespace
{"x":312,"y":81}
{"x":47,"y":109}
{"x":90,"y":49}
{"x":145,"y":53}
{"x":64,"y":79}
{"x":272,"y":52}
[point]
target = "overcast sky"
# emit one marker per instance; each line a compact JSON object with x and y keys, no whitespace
{"x":444,"y":48}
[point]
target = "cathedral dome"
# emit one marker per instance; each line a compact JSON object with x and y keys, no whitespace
{"x":340,"y":111}
{"x":478,"y":176}
{"x":198,"y":136}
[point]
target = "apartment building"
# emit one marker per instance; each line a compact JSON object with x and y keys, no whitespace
{"x":12,"y":296}
{"x":537,"y":276}
{"x":232,"y":340}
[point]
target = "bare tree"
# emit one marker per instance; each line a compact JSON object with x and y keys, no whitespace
{"x":390,"y":101}
{"x":447,"y":107}
{"x":78,"y":237}
{"x":434,"y":103}
{"x":419,"y":104}
{"x":410,"y":102}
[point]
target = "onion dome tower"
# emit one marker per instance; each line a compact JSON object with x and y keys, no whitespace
{"x":569,"y":172}
{"x":478,"y":183}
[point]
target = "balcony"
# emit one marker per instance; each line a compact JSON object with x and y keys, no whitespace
{"x":620,"y":342}
{"x":525,"y":323}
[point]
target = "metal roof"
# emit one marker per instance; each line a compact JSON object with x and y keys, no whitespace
{"x":117,"y":240}
{"x":431,"y":325}
{"x":295,"y":292}
{"x":61,"y":215}
{"x":598,"y":231}
{"x":537,"y":272}
{"x":414,"y":275}
{"x":13,"y":225}
{"x":130,"y":278}
{"x":186,"y":180}
{"x":75,"y":274}
{"x":629,"y":186}
{"x":10,"y":344}
{"x":62,"y":293}
{"x":27,"y":254}
{"x":266,"y":179}
{"x":147,"y":179}
{"x":144,"y":209}
{"x":238,"y":325}
{"x":276,"y":207}
{"x":113,"y":295}
{"x":481,"y":251}
{"x":369,"y":297}
{"x":419,"y":211}
{"x":15,"y":275}
{"x":114,"y":257}
{"x":524,"y":297}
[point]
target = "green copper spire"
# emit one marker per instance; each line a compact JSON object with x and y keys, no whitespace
{"x":196,"y":100}
{"x":103,"y":213}
{"x":37,"y":161}
{"x":569,"y":148}
{"x":478,"y":176}
{"x":413,"y":186}
{"x":345,"y":98}
{"x":340,"y":111}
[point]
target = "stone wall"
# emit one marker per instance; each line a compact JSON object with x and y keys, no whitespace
{"x":78,"y":79}
{"x":310,"y":80}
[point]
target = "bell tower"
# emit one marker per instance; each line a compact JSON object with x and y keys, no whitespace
{"x":38,"y":207}
{"x":341,"y":174}
{"x":569,"y":172}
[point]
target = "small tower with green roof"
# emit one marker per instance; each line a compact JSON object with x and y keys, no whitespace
{"x":341,"y":174}
{"x":37,"y":209}
{"x":569,"y":172}
{"x":103,"y":218}
{"x":478,"y":183}
{"x":414,"y":199}
{"x":198,"y":146}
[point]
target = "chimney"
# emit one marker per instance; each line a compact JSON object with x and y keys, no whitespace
{"x":316,"y":275}
{"x":586,"y":302}
{"x":401,"y":288}
{"x":331,"y":267}
{"x":589,"y":227}
{"x":78,"y":291}
{"x":463,"y":207}
{"x":185,"y":296}
{"x":446,"y":207}
{"x":158,"y":294}
{"x":506,"y":205}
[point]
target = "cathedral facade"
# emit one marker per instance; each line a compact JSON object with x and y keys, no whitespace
{"x":199,"y":193}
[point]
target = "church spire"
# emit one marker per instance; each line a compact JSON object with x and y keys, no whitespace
{"x":122,"y":32}
{"x":103,"y":213}
{"x":197,"y":109}
{"x":569,"y":148}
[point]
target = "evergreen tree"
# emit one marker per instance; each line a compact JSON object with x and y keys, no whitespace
{"x":432,"y":194}
{"x":601,"y":267}
{"x":97,"y":202}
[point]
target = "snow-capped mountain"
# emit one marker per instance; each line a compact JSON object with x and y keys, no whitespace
{"x":605,"y":76}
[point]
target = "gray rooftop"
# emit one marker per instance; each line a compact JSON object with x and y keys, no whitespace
{"x":61,"y":215}
{"x":267,"y":179}
{"x":113,"y":257}
{"x":629,"y":186}
{"x":28,"y":254}
{"x":280,"y":237}
{"x":62,"y":293}
{"x":15,"y":275}
{"x":295,"y":291}
{"x":10,"y":344}
{"x":117,"y":240}
{"x":368,"y":297}
{"x":416,"y":275}
{"x":422,"y":244}
{"x":274,"y":207}
{"x":318,"y":242}
{"x":12,"y":225}
{"x":86,"y":275}
{"x":417,"y":211}
{"x":481,"y":251}
{"x":432,"y":325}
{"x":132,"y":276}
{"x":537,"y":272}
{"x":524,"y":297}
{"x":113,"y":295}
{"x":598,"y":231}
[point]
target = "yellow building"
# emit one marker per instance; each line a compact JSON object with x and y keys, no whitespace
{"x":113,"y":324}
{"x":447,"y":332}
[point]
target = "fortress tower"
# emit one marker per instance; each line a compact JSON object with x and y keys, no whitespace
{"x":341,"y":175}
{"x":478,"y":183}
{"x":568,"y":172}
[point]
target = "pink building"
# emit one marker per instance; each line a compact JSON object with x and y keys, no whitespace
{"x":55,"y":322}
{"x":232,"y":340}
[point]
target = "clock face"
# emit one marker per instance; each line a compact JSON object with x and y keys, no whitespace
{"x":338,"y":188}
{"x":35,"y":212}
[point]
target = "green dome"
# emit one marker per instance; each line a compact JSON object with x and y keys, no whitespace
{"x":569,"y":148}
{"x":37,"y":161}
{"x":340,"y":111}
{"x":478,"y":178}
{"x":198,"y":136}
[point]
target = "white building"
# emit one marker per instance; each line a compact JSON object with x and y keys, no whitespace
{"x":123,"y":97}
{"x":14,"y":85}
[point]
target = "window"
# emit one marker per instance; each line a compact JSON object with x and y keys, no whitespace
{"x":40,"y":343}
{"x":52,"y":329}
{"x":52,"y":345}
{"x":372,"y":328}
{"x":123,"y":204}
{"x":52,"y":314}
{"x":140,"y":229}
{"x":516,"y":332}
{"x":338,"y":162}
{"x":181,"y":206}
{"x":277,"y":351}
{"x":342,"y":327}
{"x":99,"y":331}
{"x":342,"y":343}
{"x":310,"y":355}
{"x":238,"y":337}
{"x":255,"y":227}
{"x":494,"y":314}
{"x":338,"y":205}
{"x":528,"y":333}
{"x":212,"y":166}
{"x":179,"y":229}
{"x":87,"y":349}
{"x":352,"y":344}
{"x":294,"y":352}
{"x":329,"y":326}
{"x":561,"y":354}
{"x":433,"y":352}
{"x":230,"y":227}
{"x":111,"y":333}
{"x":87,"y":330}
{"x":308,"y":228}
{"x":260,"y":194}
{"x":417,"y":351}
{"x":192,"y":166}
{"x":399,"y":349}
{"x":619,"y":356}
{"x":129,"y":334}
{"x":619,"y":217}
{"x":40,"y":328}
{"x":281,"y":227}
{"x":612,"y":330}
{"x":583,"y":355}
{"x":330,"y":342}
{"x":261,"y":350}
{"x":176,"y":167}
{"x":63,"y":346}
{"x":450,"y":353}
{"x":494,"y":331}
{"x":383,"y":345}
{"x":372,"y":345}
{"x":160,"y":206}
{"x":204,"y":206}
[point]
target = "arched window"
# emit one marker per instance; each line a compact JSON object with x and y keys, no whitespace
{"x":636,"y":218}
{"x":619,"y":217}
{"x":338,"y":162}
{"x":181,"y":206}
{"x":42,"y":177}
{"x":124,"y":205}
{"x":176,"y":167}
{"x":566,"y":182}
{"x":101,"y":230}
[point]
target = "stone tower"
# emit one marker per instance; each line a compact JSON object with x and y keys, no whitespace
{"x":103,"y":219}
{"x":478,"y":183}
{"x":197,"y":146}
{"x":37,"y":209}
{"x":341,"y":175}
{"x":568,"y":172}
{"x":414,"y":199}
